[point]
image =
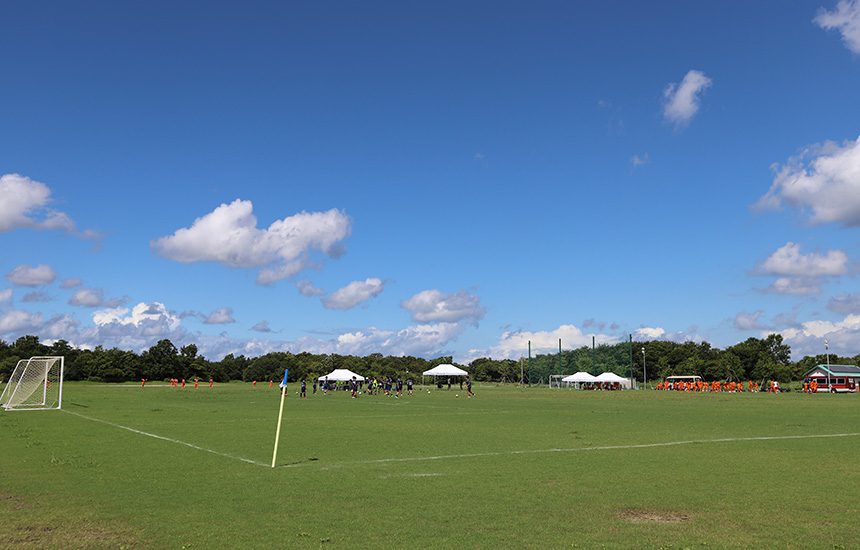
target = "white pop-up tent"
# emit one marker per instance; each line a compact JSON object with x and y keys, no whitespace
{"x":445,"y":370}
{"x":579,"y":377}
{"x":341,"y":375}
{"x":613,"y":378}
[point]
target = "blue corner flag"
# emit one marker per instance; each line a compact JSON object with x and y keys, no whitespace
{"x":284,"y":381}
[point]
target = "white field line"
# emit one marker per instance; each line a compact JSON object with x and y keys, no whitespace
{"x":161,"y":437}
{"x":583,"y":449}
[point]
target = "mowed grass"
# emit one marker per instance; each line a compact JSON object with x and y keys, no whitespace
{"x":511,"y":468}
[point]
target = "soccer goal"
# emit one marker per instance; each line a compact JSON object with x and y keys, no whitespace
{"x":555,"y":380}
{"x":36,"y":384}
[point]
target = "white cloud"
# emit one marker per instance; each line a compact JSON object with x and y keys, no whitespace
{"x":823,"y":182}
{"x":19,"y":321}
{"x":749,"y":321}
{"x":649,"y":333}
{"x":808,"y":338}
{"x":221,"y":316}
{"x":353,"y":294}
{"x":789,"y":261}
{"x":794,"y":286}
{"x":514,"y":344}
{"x":73,"y":282}
{"x":424,"y":340}
{"x":262,"y":326}
{"x":681,"y":101}
{"x":93,"y":297}
{"x":25,"y":205}
{"x":229,"y":235}
{"x":307,"y":288}
{"x":5,"y":295}
{"x":432,"y":306}
{"x":845,"y":303}
{"x":845,"y":19}
{"x":38,"y":275}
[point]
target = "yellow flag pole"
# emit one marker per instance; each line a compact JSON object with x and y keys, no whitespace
{"x":278,"y":431}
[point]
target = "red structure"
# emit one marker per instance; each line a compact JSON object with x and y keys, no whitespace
{"x":834,"y":378}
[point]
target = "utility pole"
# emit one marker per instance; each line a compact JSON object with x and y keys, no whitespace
{"x":530,"y":361}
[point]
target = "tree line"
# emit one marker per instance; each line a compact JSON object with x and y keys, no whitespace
{"x":752,"y":359}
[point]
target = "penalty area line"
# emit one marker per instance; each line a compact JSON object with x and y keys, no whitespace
{"x":168,"y":439}
{"x":587,"y":449}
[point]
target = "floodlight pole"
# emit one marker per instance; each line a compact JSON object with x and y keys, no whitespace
{"x":827,"y":352}
{"x":631,"y":361}
{"x":530,"y":363}
{"x":644,"y":370}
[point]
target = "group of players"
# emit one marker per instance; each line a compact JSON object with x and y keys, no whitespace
{"x":716,"y":386}
{"x":388,"y":387}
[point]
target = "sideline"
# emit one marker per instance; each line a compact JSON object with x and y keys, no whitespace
{"x":582,"y":449}
{"x":161,"y":437}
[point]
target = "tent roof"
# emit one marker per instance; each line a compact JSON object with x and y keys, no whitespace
{"x":445,"y":370}
{"x":610,"y":377}
{"x":340,"y":375}
{"x":579,"y":377}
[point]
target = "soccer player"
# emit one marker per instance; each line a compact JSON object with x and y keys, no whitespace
{"x":271,"y":384}
{"x":469,"y":387}
{"x":353,"y":385}
{"x":183,"y":383}
{"x":304,"y":390}
{"x":409,"y":386}
{"x":196,"y":382}
{"x":399,"y":387}
{"x":315,"y":386}
{"x":254,"y":384}
{"x":142,"y":382}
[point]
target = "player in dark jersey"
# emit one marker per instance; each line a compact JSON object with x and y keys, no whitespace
{"x":353,"y":385}
{"x":303,"y":392}
{"x":399,"y":387}
{"x":409,"y":386}
{"x":469,"y":387}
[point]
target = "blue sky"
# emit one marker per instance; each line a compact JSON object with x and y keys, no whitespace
{"x":472,"y":175}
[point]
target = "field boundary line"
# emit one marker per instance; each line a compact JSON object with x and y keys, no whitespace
{"x":588,"y":449}
{"x":163,"y":438}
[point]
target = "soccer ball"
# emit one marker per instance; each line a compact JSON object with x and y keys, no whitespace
{"x":428,"y":391}
{"x":458,"y":395}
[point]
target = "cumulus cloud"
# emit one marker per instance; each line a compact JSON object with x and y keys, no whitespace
{"x":801,"y":274}
{"x":681,"y":101}
{"x":25,"y":205}
{"x":5,"y":295}
{"x":514,"y":344}
{"x":433,"y":306}
{"x":307,"y":288}
{"x":262,"y":326}
{"x":808,"y":338}
{"x":789,"y":261}
{"x":229,"y":235}
{"x":17,"y":321}
{"x":72,"y":282}
{"x":94,"y":297}
{"x":845,"y":19}
{"x":649,"y":333}
{"x":37,"y":275}
{"x":221,"y":316}
{"x":823,"y":182}
{"x":353,"y":294}
{"x":749,"y":321}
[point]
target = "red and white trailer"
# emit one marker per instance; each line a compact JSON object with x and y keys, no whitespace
{"x":834,"y":378}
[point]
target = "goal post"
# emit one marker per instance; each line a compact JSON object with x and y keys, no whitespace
{"x":35,"y":384}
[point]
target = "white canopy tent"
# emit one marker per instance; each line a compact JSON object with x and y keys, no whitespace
{"x":579,"y":377}
{"x":612,"y":378}
{"x":341,"y":375}
{"x":445,"y":370}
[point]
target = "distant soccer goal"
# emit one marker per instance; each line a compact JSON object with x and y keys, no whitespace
{"x":36,"y":384}
{"x":555,"y":381}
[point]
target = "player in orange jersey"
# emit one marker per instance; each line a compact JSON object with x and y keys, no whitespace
{"x":211,"y":382}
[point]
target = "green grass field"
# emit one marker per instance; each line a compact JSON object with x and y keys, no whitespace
{"x":512,"y":468}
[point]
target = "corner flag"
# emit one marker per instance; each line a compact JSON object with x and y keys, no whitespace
{"x":283,"y":386}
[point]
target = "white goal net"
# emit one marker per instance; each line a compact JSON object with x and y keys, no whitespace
{"x":35,"y":384}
